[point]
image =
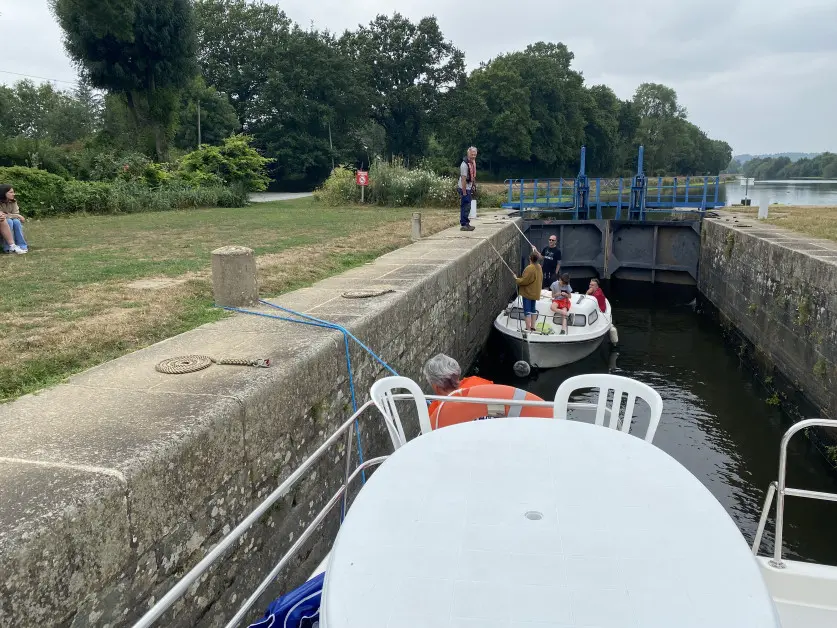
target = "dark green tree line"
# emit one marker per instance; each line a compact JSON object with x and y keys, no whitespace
{"x":822,"y":166}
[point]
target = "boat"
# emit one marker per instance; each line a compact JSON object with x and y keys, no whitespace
{"x":790,"y":594}
{"x":546,"y":347}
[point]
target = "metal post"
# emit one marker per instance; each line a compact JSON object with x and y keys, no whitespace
{"x":362,"y":191}
{"x":619,"y":202}
{"x":598,"y":199}
{"x":548,"y":186}
{"x":717,"y":188}
{"x":535,"y":191}
{"x":511,"y":186}
{"x":705,"y":189}
{"x":561,"y":190}
{"x":659,"y":189}
{"x":688,"y":182}
{"x":674,"y":194}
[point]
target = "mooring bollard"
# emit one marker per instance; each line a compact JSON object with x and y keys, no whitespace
{"x":234,"y":277}
{"x":416,"y":234}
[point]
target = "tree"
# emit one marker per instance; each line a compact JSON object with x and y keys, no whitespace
{"x":142,"y":49}
{"x":602,"y":130}
{"x":242,"y":45}
{"x":218,"y":119}
{"x":406,"y":67}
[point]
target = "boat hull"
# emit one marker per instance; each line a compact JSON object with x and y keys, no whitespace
{"x":552,"y":355}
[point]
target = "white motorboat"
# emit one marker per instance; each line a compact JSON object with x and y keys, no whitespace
{"x":546,"y":347}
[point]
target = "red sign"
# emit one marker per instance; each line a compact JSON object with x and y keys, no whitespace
{"x":362,"y":178}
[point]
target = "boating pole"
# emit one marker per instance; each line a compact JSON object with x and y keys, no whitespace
{"x":524,"y":235}
{"x":502,"y":259}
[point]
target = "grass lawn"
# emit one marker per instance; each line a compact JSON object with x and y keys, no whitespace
{"x":819,"y":222}
{"x":96,"y":287}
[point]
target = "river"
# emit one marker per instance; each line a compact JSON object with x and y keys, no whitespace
{"x":807,"y":192}
{"x":716,"y":421}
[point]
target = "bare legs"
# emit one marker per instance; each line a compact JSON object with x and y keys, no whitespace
{"x":6,"y":232}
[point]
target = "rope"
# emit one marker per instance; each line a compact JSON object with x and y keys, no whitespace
{"x":305,"y":319}
{"x":195,"y":363}
{"x":365,"y":294}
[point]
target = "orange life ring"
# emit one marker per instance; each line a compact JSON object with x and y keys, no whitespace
{"x":453,"y":413}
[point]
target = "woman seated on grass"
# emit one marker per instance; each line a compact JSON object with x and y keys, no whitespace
{"x":11,"y":229}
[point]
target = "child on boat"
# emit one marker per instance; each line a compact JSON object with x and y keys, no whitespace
{"x":561,"y":293}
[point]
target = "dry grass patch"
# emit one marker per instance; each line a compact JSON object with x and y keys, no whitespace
{"x":818,"y":222}
{"x":74,"y":305}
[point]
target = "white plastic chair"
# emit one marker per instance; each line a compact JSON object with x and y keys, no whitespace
{"x":382,"y":393}
{"x":620,"y":386}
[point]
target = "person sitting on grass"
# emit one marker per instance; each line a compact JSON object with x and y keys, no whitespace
{"x":561,"y":294}
{"x":529,"y":285}
{"x":11,"y":229}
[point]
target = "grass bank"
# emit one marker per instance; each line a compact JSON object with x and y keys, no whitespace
{"x":93,"y":288}
{"x":818,"y":222}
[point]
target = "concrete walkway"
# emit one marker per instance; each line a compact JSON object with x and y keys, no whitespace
{"x":266,"y":197}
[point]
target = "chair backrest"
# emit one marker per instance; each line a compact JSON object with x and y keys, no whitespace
{"x":616,"y":419}
{"x":382,"y":392}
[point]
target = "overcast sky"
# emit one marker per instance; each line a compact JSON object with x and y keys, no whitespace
{"x":760,"y":74}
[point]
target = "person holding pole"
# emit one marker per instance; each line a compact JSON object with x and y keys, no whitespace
{"x":529,"y":286}
{"x":467,"y":186}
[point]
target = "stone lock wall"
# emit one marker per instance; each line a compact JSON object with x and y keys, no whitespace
{"x":116,"y":483}
{"x":779,"y":289}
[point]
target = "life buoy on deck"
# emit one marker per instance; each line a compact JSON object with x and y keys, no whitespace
{"x":451,"y":413}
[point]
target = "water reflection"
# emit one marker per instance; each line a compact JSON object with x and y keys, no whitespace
{"x":715,"y":420}
{"x":783,"y":192}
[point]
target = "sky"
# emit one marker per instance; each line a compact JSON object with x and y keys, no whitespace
{"x":760,"y":74}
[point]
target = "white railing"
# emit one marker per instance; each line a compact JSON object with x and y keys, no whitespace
{"x":347,"y":429}
{"x":781,"y":489}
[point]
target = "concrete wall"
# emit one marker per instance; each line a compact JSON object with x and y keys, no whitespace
{"x":779,"y":289}
{"x":114,"y":484}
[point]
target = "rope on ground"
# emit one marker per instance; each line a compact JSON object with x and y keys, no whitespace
{"x":194,"y":363}
{"x":365,"y":294}
{"x":312,"y":321}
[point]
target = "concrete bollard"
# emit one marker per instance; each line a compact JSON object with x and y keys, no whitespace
{"x":234,"y":276}
{"x":416,"y":233}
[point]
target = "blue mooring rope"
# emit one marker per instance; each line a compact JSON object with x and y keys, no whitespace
{"x":316,"y":322}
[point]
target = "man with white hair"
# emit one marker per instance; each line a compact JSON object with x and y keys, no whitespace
{"x":443,"y":374}
{"x":467,"y":187}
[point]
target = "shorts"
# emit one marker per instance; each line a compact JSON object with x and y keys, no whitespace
{"x":563,"y":304}
{"x":529,"y":306}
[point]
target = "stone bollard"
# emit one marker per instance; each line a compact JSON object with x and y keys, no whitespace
{"x":234,"y":277}
{"x":416,"y":234}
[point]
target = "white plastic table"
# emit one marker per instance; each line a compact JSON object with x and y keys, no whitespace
{"x":538,"y":523}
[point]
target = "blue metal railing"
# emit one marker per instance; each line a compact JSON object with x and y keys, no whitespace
{"x":676,"y":195}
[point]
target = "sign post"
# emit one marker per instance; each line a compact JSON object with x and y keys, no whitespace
{"x":362,"y":179}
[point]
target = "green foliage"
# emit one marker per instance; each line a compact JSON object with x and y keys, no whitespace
{"x":831,"y":454}
{"x":730,"y":244}
{"x":390,"y":185}
{"x":407,"y":66}
{"x":218,"y":119}
{"x":142,"y":49}
{"x":823,"y":165}
{"x":339,"y":189}
{"x":43,"y":194}
{"x":804,"y":310}
{"x":236,"y":163}
{"x":773,"y":400}
{"x":821,"y":368}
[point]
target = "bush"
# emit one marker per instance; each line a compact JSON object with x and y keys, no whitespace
{"x":44,"y":194}
{"x":234,"y":163}
{"x":391,"y":185}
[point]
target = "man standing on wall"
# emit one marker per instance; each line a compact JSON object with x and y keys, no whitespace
{"x":551,"y":261}
{"x":467,"y":187}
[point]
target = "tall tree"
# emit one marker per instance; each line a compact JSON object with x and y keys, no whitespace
{"x":207,"y":107}
{"x":143,"y":49}
{"x":241,"y":46}
{"x":407,"y":68}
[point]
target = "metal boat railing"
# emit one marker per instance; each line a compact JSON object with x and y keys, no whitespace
{"x":780,"y":490}
{"x":340,"y":496}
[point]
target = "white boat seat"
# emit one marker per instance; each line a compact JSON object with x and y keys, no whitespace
{"x":621,"y":386}
{"x":382,"y":393}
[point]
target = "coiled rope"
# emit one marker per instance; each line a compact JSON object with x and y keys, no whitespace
{"x":194,"y":363}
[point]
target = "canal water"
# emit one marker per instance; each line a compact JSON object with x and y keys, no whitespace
{"x":716,"y":420}
{"x":809,"y":192}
